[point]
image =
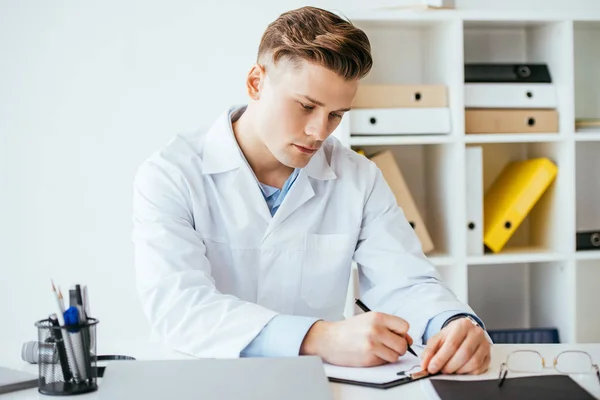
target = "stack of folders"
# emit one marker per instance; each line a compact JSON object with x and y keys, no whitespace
{"x":509,"y":98}
{"x":393,"y":176}
{"x":400,"y":110}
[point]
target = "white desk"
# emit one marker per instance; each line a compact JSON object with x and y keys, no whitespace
{"x":340,"y":392}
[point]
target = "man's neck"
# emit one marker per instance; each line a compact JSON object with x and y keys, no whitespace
{"x":266,"y":167}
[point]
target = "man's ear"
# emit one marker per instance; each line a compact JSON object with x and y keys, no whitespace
{"x":255,"y":81}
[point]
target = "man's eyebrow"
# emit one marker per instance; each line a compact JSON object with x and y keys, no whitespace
{"x":320,"y":103}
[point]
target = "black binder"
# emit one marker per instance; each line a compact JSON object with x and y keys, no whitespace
{"x":588,"y":240}
{"x":503,"y":72}
{"x":547,"y":387}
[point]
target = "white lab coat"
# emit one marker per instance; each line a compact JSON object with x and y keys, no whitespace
{"x":213,"y":267}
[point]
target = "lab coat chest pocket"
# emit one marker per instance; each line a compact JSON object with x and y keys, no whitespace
{"x":326,"y":269}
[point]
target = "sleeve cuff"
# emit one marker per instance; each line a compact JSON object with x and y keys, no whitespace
{"x":436,"y":323}
{"x":281,"y":337}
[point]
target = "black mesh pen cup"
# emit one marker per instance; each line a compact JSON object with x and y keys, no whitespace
{"x":67,"y":357}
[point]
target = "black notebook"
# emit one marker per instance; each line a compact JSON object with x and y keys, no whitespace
{"x":548,"y":387}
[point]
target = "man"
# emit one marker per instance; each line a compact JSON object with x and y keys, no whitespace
{"x":244,"y":235}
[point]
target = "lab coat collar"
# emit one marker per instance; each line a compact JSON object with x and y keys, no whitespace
{"x":222,"y":153}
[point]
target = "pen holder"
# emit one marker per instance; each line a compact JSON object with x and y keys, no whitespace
{"x":69,"y":368}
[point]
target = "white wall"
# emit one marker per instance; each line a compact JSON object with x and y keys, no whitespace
{"x":88,"y":91}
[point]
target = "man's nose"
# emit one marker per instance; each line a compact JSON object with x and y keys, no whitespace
{"x":317,"y":128}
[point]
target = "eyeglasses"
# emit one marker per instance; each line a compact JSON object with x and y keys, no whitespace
{"x":530,"y":361}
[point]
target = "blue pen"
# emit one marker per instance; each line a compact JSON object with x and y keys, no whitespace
{"x":80,"y":350}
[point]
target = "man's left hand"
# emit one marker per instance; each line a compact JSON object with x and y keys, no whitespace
{"x":461,"y":348}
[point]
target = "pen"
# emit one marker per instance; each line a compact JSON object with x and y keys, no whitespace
{"x":67,"y":338}
{"x":363,"y":307}
{"x":62,"y":351}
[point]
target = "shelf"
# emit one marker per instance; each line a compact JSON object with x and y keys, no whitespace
{"x":427,"y":172}
{"x":523,"y":296}
{"x":524,"y":255}
{"x":587,"y":186}
{"x":587,"y":255}
{"x":544,"y":227}
{"x":587,"y":276}
{"x":419,"y":15}
{"x":513,"y":138}
{"x":587,"y":136}
{"x":586,"y":52}
{"x":392,"y":140}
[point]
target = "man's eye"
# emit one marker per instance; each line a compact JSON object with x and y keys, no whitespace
{"x":307,"y":107}
{"x":335,"y":115}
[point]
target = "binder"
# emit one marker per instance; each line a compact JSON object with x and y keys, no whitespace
{"x":510,"y":95}
{"x":390,"y":96}
{"x":399,"y":121}
{"x":510,"y":121}
{"x":507,"y":72}
{"x":588,"y":240}
{"x":474,"y":167}
{"x":393,"y":176}
{"x":547,"y":387}
{"x":512,"y":196}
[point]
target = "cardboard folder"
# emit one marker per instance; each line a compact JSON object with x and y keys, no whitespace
{"x":510,"y":95}
{"x":512,"y":196}
{"x":511,"y":120}
{"x":393,"y":176}
{"x":390,"y":96}
{"x":400,"y":121}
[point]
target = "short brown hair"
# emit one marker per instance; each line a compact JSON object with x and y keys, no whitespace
{"x":317,"y":36}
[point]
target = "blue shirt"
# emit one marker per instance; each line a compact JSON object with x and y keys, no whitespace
{"x":283,"y":335}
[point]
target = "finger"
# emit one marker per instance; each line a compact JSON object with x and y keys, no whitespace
{"x":476,"y":361}
{"x":385,"y":353}
{"x":394,"y":324}
{"x":484,"y":367}
{"x":433,"y":345}
{"x":451,"y":343}
{"x":395,"y":342}
{"x":465,"y":353}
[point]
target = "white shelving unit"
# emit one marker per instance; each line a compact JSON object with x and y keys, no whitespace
{"x":539,"y":280}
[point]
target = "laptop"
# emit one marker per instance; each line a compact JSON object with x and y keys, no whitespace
{"x":12,"y":380}
{"x":290,"y":378}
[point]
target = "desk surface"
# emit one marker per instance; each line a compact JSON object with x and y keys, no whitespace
{"x":417,"y":390}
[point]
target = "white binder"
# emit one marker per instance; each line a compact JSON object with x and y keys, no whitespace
{"x":510,"y":95}
{"x":400,"y":121}
{"x":474,"y":167}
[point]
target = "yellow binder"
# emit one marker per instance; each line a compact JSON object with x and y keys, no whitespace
{"x":512,"y":196}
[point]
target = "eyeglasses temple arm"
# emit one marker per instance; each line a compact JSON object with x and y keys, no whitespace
{"x":502,"y":376}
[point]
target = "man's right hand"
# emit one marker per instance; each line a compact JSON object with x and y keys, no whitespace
{"x":365,"y":340}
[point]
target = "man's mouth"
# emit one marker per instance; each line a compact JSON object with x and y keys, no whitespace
{"x":306,"y":150}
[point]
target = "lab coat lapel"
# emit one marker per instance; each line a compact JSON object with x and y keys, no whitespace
{"x":303,"y":189}
{"x":300,"y":192}
{"x":222,"y":156}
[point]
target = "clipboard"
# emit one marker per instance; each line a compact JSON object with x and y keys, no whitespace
{"x":408,"y":378}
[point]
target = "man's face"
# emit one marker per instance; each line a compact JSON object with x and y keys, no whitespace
{"x":298,"y":107}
